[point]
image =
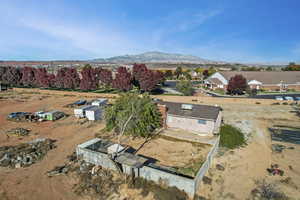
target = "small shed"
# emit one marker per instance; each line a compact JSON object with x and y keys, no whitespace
{"x":80,"y":112}
{"x":41,"y":114}
{"x":100,"y":102}
{"x":93,"y":113}
{"x":53,"y":115}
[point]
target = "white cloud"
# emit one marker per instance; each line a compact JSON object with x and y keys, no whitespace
{"x":98,"y":41}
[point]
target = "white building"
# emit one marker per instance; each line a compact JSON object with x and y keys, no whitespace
{"x":80,"y":112}
{"x":93,"y":113}
{"x":100,"y":102}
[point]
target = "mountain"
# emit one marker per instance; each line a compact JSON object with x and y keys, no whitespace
{"x":156,"y":57}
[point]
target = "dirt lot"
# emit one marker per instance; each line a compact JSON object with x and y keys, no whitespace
{"x":242,"y":167}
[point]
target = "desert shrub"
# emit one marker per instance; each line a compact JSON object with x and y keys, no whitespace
{"x":267,"y":191}
{"x":231,"y":137}
{"x":276,"y":103}
{"x":257,"y":102}
{"x":285,"y":103}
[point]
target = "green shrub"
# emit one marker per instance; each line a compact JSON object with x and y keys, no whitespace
{"x":231,"y":137}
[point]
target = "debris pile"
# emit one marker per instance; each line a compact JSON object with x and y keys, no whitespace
{"x":278,"y":148}
{"x":274,"y":170}
{"x":26,"y":154}
{"x":18,"y":132}
{"x":266,"y":190}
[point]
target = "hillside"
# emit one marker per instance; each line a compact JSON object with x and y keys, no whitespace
{"x":156,"y":57}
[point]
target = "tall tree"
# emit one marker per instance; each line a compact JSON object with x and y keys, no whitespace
{"x":122,"y":79}
{"x":205,"y":74}
{"x":237,"y":84}
{"x":59,"y":78}
{"x":12,"y":76}
{"x":148,"y":81}
{"x":28,"y":76}
{"x":42,"y":78}
{"x":106,"y":77}
{"x":89,"y":79}
{"x":185,"y":87}
{"x":178,"y":72}
{"x":133,"y":114}
{"x":72,"y":79}
{"x":2,"y":72}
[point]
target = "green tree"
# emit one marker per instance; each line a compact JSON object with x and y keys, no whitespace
{"x":133,"y":114}
{"x":185,"y":87}
{"x":178,"y":72}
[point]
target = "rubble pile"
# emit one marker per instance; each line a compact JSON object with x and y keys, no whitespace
{"x":18,"y":132}
{"x":26,"y":154}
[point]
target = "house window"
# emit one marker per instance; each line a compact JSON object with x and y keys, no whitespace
{"x":201,"y":121}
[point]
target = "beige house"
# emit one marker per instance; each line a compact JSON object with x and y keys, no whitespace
{"x":201,"y":119}
{"x":275,"y":80}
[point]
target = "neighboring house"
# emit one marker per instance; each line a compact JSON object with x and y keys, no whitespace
{"x":258,"y":79}
{"x":201,"y":119}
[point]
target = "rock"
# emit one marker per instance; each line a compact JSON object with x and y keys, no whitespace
{"x":220,"y":167}
{"x":207,"y":180}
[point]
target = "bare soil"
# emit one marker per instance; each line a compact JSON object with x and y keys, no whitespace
{"x":242,"y":166}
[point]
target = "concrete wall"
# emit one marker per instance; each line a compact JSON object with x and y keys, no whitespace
{"x":150,"y":172}
{"x":206,"y":165}
{"x":96,"y":158}
{"x":191,"y":124}
{"x":218,"y":123}
{"x":163,"y":177}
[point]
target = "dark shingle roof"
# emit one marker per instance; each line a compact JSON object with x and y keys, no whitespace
{"x":198,"y":111}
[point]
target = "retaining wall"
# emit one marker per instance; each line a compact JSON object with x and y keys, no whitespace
{"x":150,"y":172}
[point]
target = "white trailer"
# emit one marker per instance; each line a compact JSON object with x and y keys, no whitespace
{"x":93,"y":113}
{"x":100,"y":102}
{"x":80,"y":112}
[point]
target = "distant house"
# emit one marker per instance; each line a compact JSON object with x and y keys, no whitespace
{"x":280,"y":80}
{"x":201,"y":119}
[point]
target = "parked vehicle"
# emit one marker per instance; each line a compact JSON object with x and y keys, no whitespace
{"x":17,"y":115}
{"x":279,"y":98}
{"x":297,"y":98}
{"x":288,"y":98}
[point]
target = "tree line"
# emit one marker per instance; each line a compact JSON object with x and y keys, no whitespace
{"x":87,"y":79}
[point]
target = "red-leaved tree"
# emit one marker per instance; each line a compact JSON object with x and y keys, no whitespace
{"x":43,"y":78}
{"x":72,"y":79}
{"x":2,"y":72}
{"x":122,"y":80}
{"x":149,"y":80}
{"x":28,"y":76}
{"x":89,"y":80}
{"x":237,"y":84}
{"x":106,"y":77}
{"x":12,"y":76}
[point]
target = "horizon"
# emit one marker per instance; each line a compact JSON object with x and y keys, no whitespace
{"x":243,"y":32}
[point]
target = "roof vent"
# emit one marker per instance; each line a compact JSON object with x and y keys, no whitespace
{"x":186,"y":106}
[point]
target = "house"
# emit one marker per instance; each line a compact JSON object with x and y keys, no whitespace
{"x":93,"y":113}
{"x":203,"y":120}
{"x":267,"y":80}
{"x":100,"y":102}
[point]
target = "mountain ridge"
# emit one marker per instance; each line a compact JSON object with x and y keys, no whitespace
{"x":156,"y":57}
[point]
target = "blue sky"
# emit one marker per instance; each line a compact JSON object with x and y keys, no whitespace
{"x":227,"y":30}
